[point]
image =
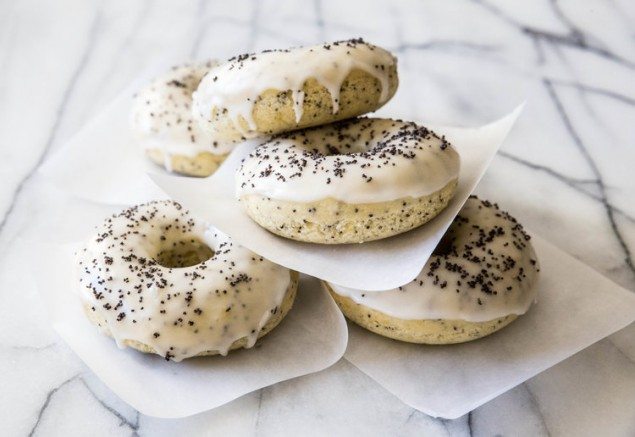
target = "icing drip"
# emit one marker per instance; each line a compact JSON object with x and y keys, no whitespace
{"x":161,"y":116}
{"x":298,"y":101}
{"x":149,"y":276}
{"x":484,"y":268}
{"x":236,"y":85}
{"x":361,"y":160}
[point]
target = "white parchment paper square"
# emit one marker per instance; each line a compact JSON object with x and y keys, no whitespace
{"x":576,"y":308}
{"x":103,"y":162}
{"x":311,"y":337}
{"x":376,"y":265}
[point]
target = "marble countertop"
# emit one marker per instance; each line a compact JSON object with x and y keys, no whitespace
{"x":566,"y":172}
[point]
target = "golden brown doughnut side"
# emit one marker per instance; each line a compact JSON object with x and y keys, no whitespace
{"x":201,"y":165}
{"x":434,"y":332}
{"x":273,"y":111}
{"x":285,"y":307}
{"x":331,"y":221}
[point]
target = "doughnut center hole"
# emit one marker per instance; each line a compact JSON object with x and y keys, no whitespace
{"x":183,"y":253}
{"x":445,"y":246}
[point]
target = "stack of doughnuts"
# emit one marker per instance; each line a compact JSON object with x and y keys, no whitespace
{"x":161,"y":281}
{"x":321,"y":174}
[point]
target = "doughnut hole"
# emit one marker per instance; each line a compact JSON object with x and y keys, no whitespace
{"x":344,"y":149}
{"x":342,"y":140}
{"x":185,"y":252}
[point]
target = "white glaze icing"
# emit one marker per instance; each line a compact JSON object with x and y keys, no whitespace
{"x":454,"y":285}
{"x":179,"y":311}
{"x":236,"y":85}
{"x":363,"y":160}
{"x":161,"y":115}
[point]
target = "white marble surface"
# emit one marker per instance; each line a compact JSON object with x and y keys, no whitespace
{"x":566,"y":172}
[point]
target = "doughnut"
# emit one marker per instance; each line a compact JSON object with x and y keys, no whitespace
{"x":352,"y":181}
{"x":255,"y":95}
{"x":162,"y":123}
{"x":160,"y":281}
{"x":480,"y":278}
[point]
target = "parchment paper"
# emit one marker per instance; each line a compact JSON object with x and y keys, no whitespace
{"x":312,"y":337}
{"x":576,"y":308}
{"x":377,"y":265}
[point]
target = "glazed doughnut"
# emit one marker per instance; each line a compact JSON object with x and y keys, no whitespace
{"x":348,"y":182}
{"x":479,"y":279}
{"x":277,"y":91}
{"x":162,"y":123}
{"x":156,"y":279}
